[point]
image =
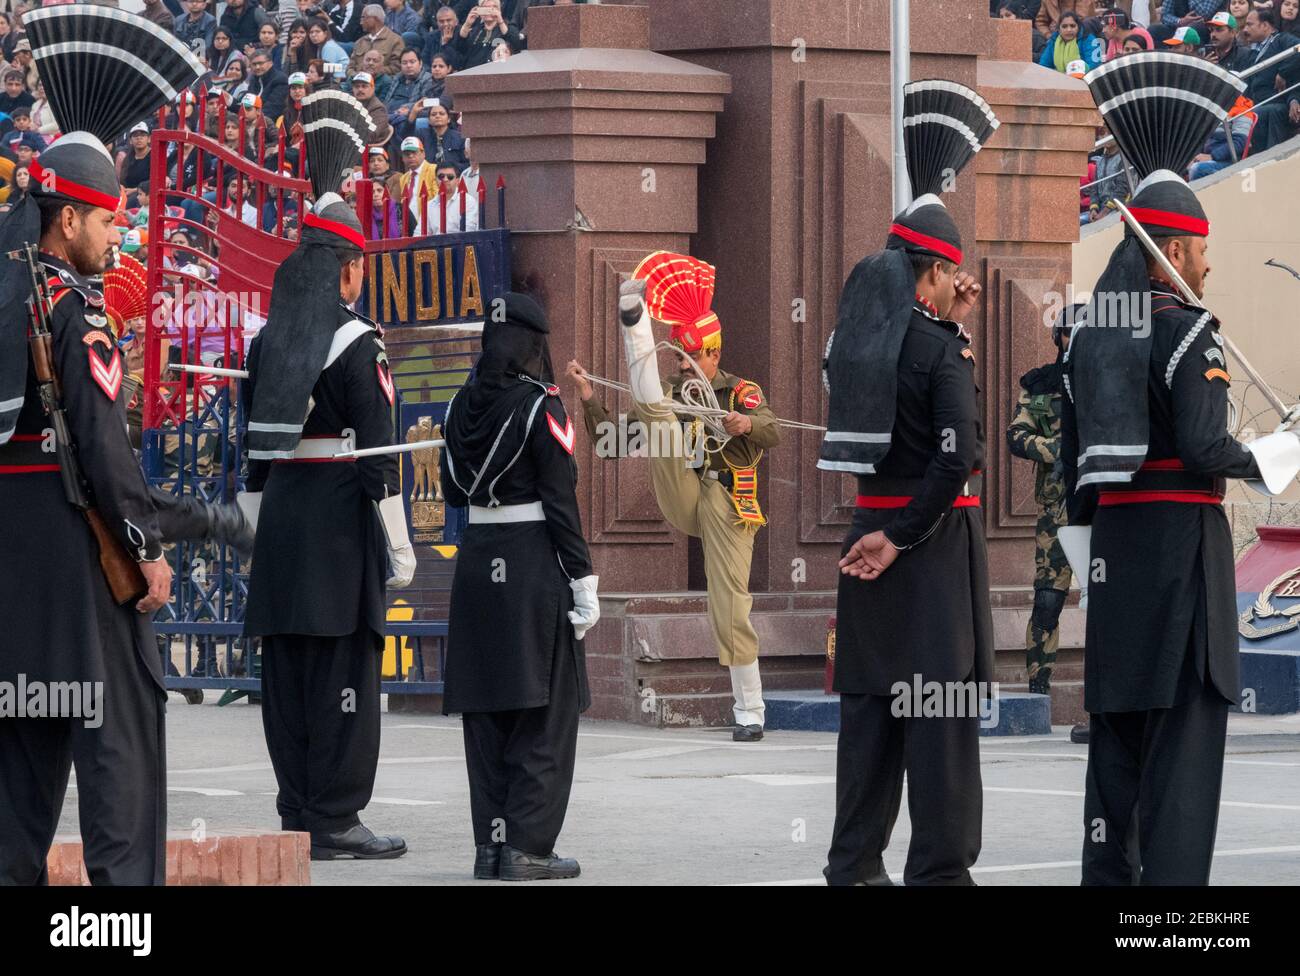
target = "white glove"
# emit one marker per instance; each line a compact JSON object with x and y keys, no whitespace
{"x":250,"y":503}
{"x":1076,"y":543}
{"x":586,"y":608}
{"x":401,"y":557}
{"x":1278,"y":458}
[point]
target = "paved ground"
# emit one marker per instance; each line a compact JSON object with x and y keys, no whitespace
{"x":688,"y":806}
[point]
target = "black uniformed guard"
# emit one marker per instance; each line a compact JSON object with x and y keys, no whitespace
{"x":914,"y":594}
{"x":522,"y":598}
{"x":61,"y":621}
{"x":319,"y":385}
{"x":1147,"y":448}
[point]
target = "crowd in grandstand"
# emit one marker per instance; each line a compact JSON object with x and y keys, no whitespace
{"x":1075,"y":36}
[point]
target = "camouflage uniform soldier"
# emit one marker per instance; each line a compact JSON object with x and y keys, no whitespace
{"x":1035,"y":434}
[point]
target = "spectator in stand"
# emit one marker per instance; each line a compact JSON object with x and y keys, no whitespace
{"x":22,"y":61}
{"x":1288,"y":16}
{"x":1239,"y":9}
{"x":236,"y":83}
{"x":1138,"y":40}
{"x":296,"y":51}
{"x":376,"y":35}
{"x":242,"y":21}
{"x":1223,"y":48}
{"x":449,"y":183}
{"x":1185,"y":13}
{"x":269,"y":83}
{"x":419,"y":176}
{"x":442,"y":143}
{"x":43,"y":120}
{"x":21,"y":147}
{"x":22,"y":120}
{"x":500,"y":50}
{"x":381,"y":170}
{"x":1115,"y":26}
{"x":385,"y":221}
{"x":268,"y":43}
{"x":236,"y":204}
{"x":157,"y":12}
{"x":291,"y":119}
{"x":195,"y":24}
{"x":222,"y":56}
{"x":15,"y":93}
{"x":230,"y":132}
{"x":441,"y":33}
{"x":191,"y":180}
{"x":1071,"y":43}
{"x":513,"y":12}
{"x":8,"y":37}
{"x":316,"y":75}
{"x":1276,"y":120}
{"x":1111,"y":182}
{"x":373,"y":65}
{"x":483,"y":25}
{"x":1184,"y":40}
{"x":439,"y":69}
{"x":321,"y":45}
{"x":1048,"y":20}
{"x":363,"y":90}
{"x":403,"y":21}
{"x":257,"y":140}
{"x":1019,"y":9}
{"x":1216,"y":154}
{"x":133,"y":164}
{"x":407,"y":93}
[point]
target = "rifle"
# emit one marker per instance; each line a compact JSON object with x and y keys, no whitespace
{"x":125,"y":581}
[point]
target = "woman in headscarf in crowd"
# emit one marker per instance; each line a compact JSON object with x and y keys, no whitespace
{"x":1138,"y":40}
{"x":1071,"y":42}
{"x":385,"y":223}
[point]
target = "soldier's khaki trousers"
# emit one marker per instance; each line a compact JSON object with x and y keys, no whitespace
{"x":703,"y":508}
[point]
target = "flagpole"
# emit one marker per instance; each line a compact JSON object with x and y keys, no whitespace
{"x":899,"y":70}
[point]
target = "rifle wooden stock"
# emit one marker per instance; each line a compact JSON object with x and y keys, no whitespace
{"x":125,"y":581}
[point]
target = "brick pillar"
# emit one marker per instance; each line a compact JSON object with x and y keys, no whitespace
{"x":599,"y":140}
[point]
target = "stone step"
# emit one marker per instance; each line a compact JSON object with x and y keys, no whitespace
{"x":1019,"y":713}
{"x":232,"y":857}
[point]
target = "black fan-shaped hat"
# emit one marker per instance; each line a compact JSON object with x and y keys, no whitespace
{"x":336,"y":129}
{"x":944,"y":125}
{"x":1161,"y":107}
{"x":105,"y":69}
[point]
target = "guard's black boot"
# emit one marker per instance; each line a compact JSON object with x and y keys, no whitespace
{"x":747,"y":733}
{"x":359,"y":842}
{"x":487,"y":862}
{"x":1079,"y":734}
{"x":517,"y":865}
{"x":227,"y":525}
{"x":1041,"y":683}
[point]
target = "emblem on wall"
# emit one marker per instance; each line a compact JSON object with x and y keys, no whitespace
{"x":1263,"y":619}
{"x":428,"y":510}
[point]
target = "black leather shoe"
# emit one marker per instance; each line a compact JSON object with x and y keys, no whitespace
{"x":487,"y":862}
{"x":1041,"y":683}
{"x":1079,"y":734}
{"x":747,"y":733}
{"x":359,"y":842}
{"x":517,"y":865}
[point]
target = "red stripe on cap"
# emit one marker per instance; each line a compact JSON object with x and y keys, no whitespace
{"x":929,"y":243}
{"x":68,"y":188}
{"x":1164,"y":218}
{"x":335,"y":227}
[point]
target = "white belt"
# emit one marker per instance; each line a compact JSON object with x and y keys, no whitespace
{"x":528,"y":512}
{"x":321,"y":449}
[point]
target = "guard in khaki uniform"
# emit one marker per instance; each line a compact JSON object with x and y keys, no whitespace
{"x":705,"y":489}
